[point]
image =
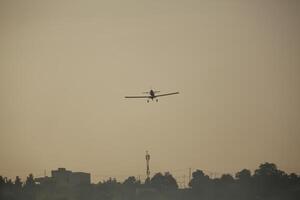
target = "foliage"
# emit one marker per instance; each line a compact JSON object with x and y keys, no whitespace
{"x":267,"y":182}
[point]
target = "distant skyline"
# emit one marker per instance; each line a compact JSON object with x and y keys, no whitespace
{"x":65,"y":67}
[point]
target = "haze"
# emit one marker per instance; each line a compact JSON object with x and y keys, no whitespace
{"x":65,"y":67}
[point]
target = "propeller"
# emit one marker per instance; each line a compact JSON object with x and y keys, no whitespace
{"x":155,"y":91}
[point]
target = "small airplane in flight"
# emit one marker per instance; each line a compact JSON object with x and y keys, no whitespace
{"x":152,"y":95}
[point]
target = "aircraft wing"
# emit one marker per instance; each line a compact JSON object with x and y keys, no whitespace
{"x":137,"y":97}
{"x":161,"y":95}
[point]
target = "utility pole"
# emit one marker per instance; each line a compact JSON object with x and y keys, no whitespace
{"x":190,"y":174}
{"x":139,"y":178}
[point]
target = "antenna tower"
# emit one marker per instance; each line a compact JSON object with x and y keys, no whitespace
{"x":147,"y":163}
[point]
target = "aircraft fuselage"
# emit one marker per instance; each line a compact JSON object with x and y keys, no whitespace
{"x":152,"y":94}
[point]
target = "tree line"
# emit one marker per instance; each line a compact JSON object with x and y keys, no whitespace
{"x":267,"y":182}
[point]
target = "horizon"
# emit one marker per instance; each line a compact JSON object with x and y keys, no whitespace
{"x":65,"y":68}
{"x":181,"y":178}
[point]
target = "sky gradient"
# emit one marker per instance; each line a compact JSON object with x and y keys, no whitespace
{"x":65,"y":67}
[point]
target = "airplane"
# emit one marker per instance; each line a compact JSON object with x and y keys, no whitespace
{"x":152,"y":95}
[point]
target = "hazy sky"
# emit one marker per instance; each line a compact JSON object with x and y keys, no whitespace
{"x":65,"y":67}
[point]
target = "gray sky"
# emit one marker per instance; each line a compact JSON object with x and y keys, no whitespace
{"x":65,"y":67}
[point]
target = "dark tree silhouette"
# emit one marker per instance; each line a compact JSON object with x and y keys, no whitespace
{"x":199,"y":180}
{"x":29,"y":181}
{"x":163,"y":182}
{"x":227,"y":179}
{"x":201,"y":185}
{"x":267,"y":182}
{"x":18,"y":183}
{"x":293,"y":179}
{"x":244,"y":184}
{"x":29,"y":188}
{"x":243,"y":175}
{"x":131,"y":181}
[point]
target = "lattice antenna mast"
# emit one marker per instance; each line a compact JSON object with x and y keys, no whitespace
{"x":147,"y":163}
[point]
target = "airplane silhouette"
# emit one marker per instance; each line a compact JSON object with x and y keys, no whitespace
{"x":152,"y":95}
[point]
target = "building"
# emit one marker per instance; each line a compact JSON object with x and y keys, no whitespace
{"x":78,"y":178}
{"x":63,"y":177}
{"x":43,"y":180}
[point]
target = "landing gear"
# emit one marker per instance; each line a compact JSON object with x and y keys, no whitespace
{"x":156,"y":100}
{"x":147,"y":101}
